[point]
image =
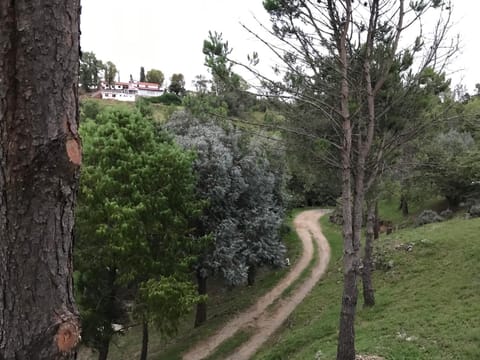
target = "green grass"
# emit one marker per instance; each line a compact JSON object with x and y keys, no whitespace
{"x":228,"y":346}
{"x":297,"y":334}
{"x":222,"y":306}
{"x":160,"y":112}
{"x":388,"y":210}
{"x":428,"y":304}
{"x":304,"y":274}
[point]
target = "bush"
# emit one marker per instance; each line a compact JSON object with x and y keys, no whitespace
{"x":474,"y":210}
{"x":336,"y":216}
{"x":89,"y":109}
{"x":427,"y":217}
{"x":285,"y":229}
{"x":166,"y":99}
{"x":204,"y":106}
{"x":382,"y":259}
{"x":446,"y":214}
{"x":144,"y":106}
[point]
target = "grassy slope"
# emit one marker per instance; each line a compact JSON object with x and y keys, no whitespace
{"x":428,"y":305}
{"x":160,"y":112}
{"x":389,"y":210}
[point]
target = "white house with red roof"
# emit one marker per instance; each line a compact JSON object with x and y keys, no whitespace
{"x":128,"y":91}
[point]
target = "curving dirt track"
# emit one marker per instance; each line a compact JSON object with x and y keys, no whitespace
{"x":263,"y":322}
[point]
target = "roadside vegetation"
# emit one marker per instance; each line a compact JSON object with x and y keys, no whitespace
{"x":427,"y":299}
{"x":223,"y":304}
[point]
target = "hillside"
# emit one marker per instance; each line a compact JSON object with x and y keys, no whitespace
{"x":427,"y":289}
{"x":427,"y":303}
{"x":427,"y":300}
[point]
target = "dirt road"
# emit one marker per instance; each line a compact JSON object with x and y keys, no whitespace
{"x":265,"y":322}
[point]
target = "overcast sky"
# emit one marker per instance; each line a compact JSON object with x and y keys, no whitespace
{"x":168,"y":35}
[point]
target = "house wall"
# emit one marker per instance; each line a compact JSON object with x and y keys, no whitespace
{"x":144,"y":92}
{"x":119,"y":96}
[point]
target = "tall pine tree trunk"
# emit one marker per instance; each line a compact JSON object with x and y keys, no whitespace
{"x":40,"y":157}
{"x":103,"y":351}
{"x":143,"y":355}
{"x":201,"y":314}
{"x":404,"y":204}
{"x":346,"y":337}
{"x":368,"y":290}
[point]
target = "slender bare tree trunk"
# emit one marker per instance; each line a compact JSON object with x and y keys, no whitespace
{"x":40,"y":156}
{"x":354,"y":210}
{"x":404,"y":205}
{"x":368,"y":290}
{"x":103,"y":351}
{"x":376,"y":228}
{"x":346,"y":337}
{"x":143,"y":355}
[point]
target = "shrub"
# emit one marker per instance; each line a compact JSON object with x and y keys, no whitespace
{"x":474,"y":210}
{"x":204,"y":106}
{"x":427,"y":217}
{"x":167,"y":99}
{"x":336,"y":217}
{"x":89,"y":109}
{"x":446,"y":214}
{"x":285,"y":229}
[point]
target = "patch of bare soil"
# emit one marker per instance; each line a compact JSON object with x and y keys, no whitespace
{"x":265,"y":322}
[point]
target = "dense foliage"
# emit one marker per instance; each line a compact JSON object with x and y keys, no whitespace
{"x":167,"y":99}
{"x":177,"y":84}
{"x":155,"y":76}
{"x":134,"y":225}
{"x":244,"y":210}
{"x":227,"y":85}
{"x":90,"y":71}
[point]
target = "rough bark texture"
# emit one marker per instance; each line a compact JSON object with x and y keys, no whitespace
{"x":143,"y":355}
{"x":39,"y":160}
{"x":201,"y":314}
{"x":103,"y":351}
{"x":346,"y":337}
{"x":368,"y":290}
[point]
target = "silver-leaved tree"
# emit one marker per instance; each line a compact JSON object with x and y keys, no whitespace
{"x":244,"y":211}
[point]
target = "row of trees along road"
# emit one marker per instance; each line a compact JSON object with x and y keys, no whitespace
{"x":344,"y":59}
